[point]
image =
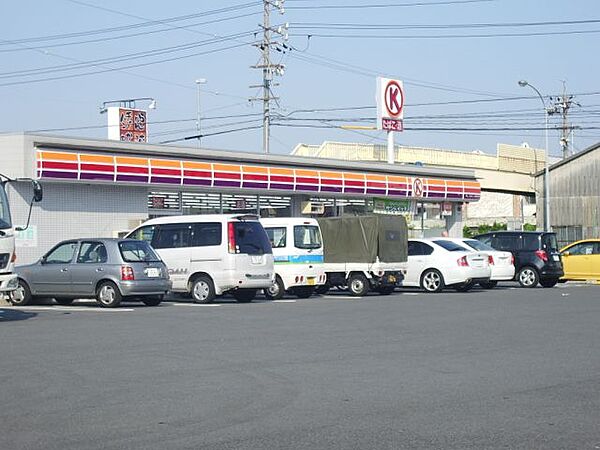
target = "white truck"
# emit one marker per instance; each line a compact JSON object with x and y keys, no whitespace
{"x":298,"y":255}
{"x":364,"y":253}
{"x":8,"y":280}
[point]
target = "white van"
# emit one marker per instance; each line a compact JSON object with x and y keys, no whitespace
{"x":298,"y":254}
{"x":210,"y":255}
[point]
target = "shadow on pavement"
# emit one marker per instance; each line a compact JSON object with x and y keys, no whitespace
{"x":9,"y":315}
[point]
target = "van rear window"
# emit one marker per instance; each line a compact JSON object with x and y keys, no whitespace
{"x":250,"y":238}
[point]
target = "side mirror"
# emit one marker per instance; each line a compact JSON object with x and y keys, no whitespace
{"x":38,"y":192}
{"x":565,"y":253}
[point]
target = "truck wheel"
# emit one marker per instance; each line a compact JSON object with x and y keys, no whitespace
{"x":108,"y":295}
{"x":21,"y":296}
{"x":432,"y":281}
{"x":358,"y":285}
{"x":528,"y":277}
{"x":304,"y":291}
{"x":244,"y":295}
{"x":276,"y":291}
{"x":202,"y":289}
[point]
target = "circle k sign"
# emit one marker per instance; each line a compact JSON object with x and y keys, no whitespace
{"x":390,"y":104}
{"x":394,"y":99}
{"x":417,"y":187}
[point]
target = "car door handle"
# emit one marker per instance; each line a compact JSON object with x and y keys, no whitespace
{"x":99,"y":269}
{"x":64,"y":269}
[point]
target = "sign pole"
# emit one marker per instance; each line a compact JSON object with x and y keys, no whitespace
{"x":391,"y":157}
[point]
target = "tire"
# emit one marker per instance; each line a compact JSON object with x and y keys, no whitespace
{"x":386,"y":290}
{"x":358,"y":285}
{"x":432,"y":281}
{"x":276,"y":291}
{"x":21,"y":296}
{"x":528,"y":277}
{"x":108,"y":295}
{"x":63,"y":300}
{"x":244,"y":295}
{"x":549,"y":282}
{"x":153,"y":300}
{"x":322,"y":289}
{"x":465,"y":287}
{"x":488,"y":284}
{"x":203,"y":290}
{"x":304,"y":291}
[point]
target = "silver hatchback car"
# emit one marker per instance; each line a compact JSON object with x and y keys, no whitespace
{"x":109,"y":270}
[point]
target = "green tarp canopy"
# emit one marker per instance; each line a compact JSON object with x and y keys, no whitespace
{"x":361,"y":239}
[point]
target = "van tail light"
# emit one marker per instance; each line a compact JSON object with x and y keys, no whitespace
{"x":127,"y":273}
{"x":490,"y":260}
{"x":462,"y":262}
{"x":231,"y":237}
{"x":13,"y":258}
{"x":542,"y":255}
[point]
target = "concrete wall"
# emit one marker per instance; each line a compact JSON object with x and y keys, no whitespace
{"x":72,"y":211}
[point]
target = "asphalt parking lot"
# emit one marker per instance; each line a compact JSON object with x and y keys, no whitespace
{"x":508,"y":368}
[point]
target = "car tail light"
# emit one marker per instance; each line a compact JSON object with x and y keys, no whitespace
{"x":512,"y":259}
{"x":490,"y":260}
{"x":542,"y":255}
{"x":127,"y":273}
{"x":13,"y":258}
{"x":462,"y":262}
{"x":231,"y":237}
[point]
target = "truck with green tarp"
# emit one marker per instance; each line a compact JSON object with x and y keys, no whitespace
{"x":363,"y":253}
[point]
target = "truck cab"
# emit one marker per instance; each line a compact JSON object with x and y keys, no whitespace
{"x":8,"y":279}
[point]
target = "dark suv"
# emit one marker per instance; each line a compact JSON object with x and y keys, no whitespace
{"x":536,"y":255}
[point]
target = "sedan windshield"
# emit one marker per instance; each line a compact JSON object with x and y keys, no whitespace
{"x":137,"y":251}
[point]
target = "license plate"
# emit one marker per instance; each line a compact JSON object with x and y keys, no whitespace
{"x":391,"y":279}
{"x":310,"y":281}
{"x":555,"y":258}
{"x":153,"y":272}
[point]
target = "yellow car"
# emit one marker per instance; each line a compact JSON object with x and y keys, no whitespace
{"x":581,"y":260}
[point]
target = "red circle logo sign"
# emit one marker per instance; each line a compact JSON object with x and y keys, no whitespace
{"x":394,"y":98}
{"x":417,"y":187}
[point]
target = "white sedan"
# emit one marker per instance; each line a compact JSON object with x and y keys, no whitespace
{"x":501,"y":263}
{"x":433,"y":266}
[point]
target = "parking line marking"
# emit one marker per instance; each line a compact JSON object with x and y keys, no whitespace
{"x":194,"y":304}
{"x":411,"y":293}
{"x":341,"y":297}
{"x":284,"y":301}
{"x":66,"y":308}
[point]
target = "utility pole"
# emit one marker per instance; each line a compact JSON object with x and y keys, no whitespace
{"x":269,"y":68}
{"x":562,"y":105}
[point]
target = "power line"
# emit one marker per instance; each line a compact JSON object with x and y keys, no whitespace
{"x":363,"y":26}
{"x":123,"y":36}
{"x":146,"y":23}
{"x":389,"y":5}
{"x":444,"y":36}
{"x":14,"y":83}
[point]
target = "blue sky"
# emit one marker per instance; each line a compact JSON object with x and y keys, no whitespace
{"x":320,"y":72}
